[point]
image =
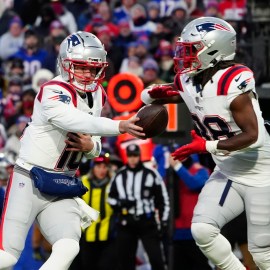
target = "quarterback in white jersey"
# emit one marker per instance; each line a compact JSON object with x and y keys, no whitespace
{"x":221,"y":97}
{"x":65,"y":124}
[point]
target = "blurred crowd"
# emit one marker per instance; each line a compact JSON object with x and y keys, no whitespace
{"x":139,"y":37}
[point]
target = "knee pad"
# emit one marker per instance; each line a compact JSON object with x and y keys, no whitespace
{"x":6,"y":259}
{"x":204,"y":233}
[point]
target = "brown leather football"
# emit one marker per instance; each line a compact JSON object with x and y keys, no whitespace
{"x":153,"y":119}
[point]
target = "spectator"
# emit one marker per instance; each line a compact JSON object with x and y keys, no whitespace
{"x":31,"y":53}
{"x":12,"y":103}
{"x":125,"y":36}
{"x":150,"y":73}
{"x":131,"y":53}
{"x":153,"y":11}
{"x":115,"y":55}
{"x":65,"y":16}
{"x":140,"y":25}
{"x":105,"y":12}
{"x":212,"y":9}
{"x":133,"y":66}
{"x":178,"y":18}
{"x":94,"y":25}
{"x":163,"y":32}
{"x":27,"y":10}
{"x":98,"y":241}
{"x":12,"y":40}
{"x":43,"y":21}
{"x":164,"y":55}
{"x":233,"y":10}
{"x":86,"y":16}
{"x":135,"y":193}
{"x":98,"y":22}
{"x":12,"y":146}
{"x":28,"y":97}
{"x":123,"y":11}
{"x":15,"y":68}
{"x":53,"y":46}
{"x":40,"y":77}
{"x":142,"y":47}
{"x":3,"y":137}
{"x":5,"y":18}
{"x":4,"y":176}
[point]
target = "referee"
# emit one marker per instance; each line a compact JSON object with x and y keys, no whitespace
{"x":136,"y":194}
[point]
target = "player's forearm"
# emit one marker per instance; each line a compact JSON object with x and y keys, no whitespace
{"x":238,"y":142}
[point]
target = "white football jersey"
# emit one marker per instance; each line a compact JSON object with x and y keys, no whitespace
{"x":59,"y":109}
{"x":212,"y":116}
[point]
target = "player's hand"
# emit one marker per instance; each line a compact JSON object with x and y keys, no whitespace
{"x":162,"y":91}
{"x":198,"y":145}
{"x":79,"y":142}
{"x":129,"y":126}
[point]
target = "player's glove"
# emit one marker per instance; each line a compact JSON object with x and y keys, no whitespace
{"x":162,"y":91}
{"x":198,"y":145}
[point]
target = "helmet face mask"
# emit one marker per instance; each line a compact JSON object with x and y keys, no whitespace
{"x":186,"y":56}
{"x":203,"y":43}
{"x":82,"y":61}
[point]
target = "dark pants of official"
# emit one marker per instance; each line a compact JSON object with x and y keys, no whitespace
{"x":188,"y":256}
{"x":129,"y":231}
{"x":99,"y":255}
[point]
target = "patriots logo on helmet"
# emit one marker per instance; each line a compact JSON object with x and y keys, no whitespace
{"x":63,"y":98}
{"x":244,"y":84}
{"x":208,"y":27}
{"x":73,"y":40}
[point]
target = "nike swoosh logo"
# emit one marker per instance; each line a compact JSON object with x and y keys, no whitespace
{"x":238,"y":78}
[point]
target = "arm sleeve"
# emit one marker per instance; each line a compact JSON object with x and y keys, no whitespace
{"x":67,"y":117}
{"x":195,"y":181}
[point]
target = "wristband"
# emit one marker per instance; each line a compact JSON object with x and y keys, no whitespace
{"x":211,"y":147}
{"x":94,"y":152}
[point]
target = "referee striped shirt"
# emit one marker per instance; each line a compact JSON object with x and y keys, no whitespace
{"x":144,"y":188}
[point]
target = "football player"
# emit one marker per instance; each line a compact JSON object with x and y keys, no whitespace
{"x":221,"y":97}
{"x":65,"y":125}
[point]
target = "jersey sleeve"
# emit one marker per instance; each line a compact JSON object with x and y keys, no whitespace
{"x":240,"y":83}
{"x":58,"y":106}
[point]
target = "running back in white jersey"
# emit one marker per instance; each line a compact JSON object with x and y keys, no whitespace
{"x":210,"y":111}
{"x":43,"y":144}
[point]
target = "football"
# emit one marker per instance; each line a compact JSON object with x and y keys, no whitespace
{"x":153,"y":119}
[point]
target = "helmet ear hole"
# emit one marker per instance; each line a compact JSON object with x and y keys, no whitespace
{"x":212,"y":52}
